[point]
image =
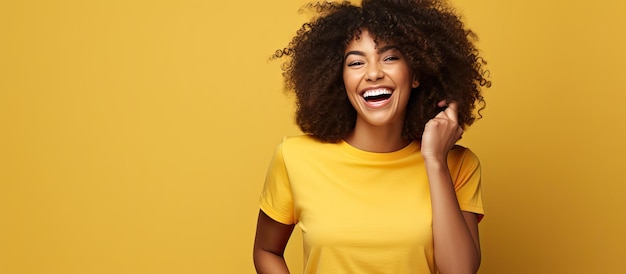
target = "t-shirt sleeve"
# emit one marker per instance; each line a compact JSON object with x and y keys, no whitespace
{"x":466,"y":174}
{"x":276,"y":198}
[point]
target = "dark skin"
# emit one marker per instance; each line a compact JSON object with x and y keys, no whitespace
{"x":269,"y":245}
{"x":455,"y":232}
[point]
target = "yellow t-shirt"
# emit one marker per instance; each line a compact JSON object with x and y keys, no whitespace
{"x":362,"y":212}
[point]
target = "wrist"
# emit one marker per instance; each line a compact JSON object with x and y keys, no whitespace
{"x":436,"y":163}
{"x":435,"y":160}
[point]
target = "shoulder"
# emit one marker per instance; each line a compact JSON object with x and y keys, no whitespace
{"x":460,"y":155}
{"x":306,"y":147}
{"x":464,"y":167}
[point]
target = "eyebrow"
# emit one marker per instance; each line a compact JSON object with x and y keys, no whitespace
{"x":380,"y":50}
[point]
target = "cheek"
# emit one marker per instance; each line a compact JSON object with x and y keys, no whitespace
{"x":351,"y":80}
{"x":347,"y":82}
{"x":403,"y":75}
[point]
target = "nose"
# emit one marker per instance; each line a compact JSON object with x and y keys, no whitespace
{"x":374,"y":72}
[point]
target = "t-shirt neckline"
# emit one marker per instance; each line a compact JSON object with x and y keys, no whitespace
{"x":409,"y":149}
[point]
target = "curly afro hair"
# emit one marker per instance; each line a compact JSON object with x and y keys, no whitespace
{"x":436,"y":44}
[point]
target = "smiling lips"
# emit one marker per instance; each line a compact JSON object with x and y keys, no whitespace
{"x":377,"y":97}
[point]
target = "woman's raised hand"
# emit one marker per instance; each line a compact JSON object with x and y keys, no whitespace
{"x":441,"y":133}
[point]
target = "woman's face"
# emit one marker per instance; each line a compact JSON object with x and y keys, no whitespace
{"x":378,"y":81}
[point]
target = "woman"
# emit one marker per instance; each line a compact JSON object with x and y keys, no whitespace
{"x":377,"y":184}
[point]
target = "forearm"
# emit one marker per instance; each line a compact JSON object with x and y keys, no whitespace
{"x":267,"y":262}
{"x":456,"y":251}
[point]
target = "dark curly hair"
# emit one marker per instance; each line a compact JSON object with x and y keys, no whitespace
{"x":429,"y":34}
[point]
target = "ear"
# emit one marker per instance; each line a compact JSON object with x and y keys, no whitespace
{"x":415,"y":83}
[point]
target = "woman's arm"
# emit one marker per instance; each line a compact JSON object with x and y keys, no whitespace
{"x":455,"y":232}
{"x":269,"y":245}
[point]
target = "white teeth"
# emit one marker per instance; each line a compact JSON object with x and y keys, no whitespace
{"x":376,"y":92}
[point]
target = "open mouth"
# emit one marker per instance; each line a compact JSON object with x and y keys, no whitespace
{"x":377,"y":95}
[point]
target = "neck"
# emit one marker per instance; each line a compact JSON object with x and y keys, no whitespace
{"x":377,"y":139}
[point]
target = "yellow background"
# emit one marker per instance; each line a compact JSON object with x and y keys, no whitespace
{"x":134,"y":135}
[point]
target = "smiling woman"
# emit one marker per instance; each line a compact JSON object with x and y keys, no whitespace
{"x":378,"y":83}
{"x":377,"y":184}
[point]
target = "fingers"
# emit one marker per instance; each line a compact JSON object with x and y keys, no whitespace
{"x":451,"y":110}
{"x":443,"y":131}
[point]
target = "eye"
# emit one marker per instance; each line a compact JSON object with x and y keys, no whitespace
{"x":391,"y":58}
{"x":355,"y":63}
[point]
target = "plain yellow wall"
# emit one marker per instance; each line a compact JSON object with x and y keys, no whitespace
{"x":134,"y":135}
